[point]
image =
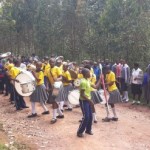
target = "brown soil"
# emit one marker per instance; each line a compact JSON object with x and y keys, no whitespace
{"x":131,"y":132}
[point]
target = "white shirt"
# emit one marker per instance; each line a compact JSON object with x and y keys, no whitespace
{"x":138,"y":75}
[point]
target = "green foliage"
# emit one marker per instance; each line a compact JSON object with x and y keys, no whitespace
{"x":77,"y":29}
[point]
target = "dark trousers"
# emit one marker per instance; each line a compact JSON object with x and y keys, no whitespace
{"x":19,"y":101}
{"x":8,"y":85}
{"x":86,"y":123}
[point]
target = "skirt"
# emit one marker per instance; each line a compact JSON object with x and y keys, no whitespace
{"x":95,"y":96}
{"x":63,"y":94}
{"x":39,"y":95}
{"x":115,"y":97}
{"x":136,"y":89}
{"x":52,"y":98}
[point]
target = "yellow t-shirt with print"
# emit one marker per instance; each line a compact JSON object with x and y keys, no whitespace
{"x":40,"y":77}
{"x":13,"y":72}
{"x":86,"y":86}
{"x":45,"y":68}
{"x":67,"y":76}
{"x":53,"y":74}
{"x":80,"y":75}
{"x":110,"y":78}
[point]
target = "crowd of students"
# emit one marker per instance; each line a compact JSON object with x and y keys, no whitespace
{"x":116,"y":77}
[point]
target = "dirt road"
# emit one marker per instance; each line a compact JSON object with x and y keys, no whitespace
{"x":131,"y":132}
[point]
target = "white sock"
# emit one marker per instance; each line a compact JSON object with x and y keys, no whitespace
{"x":44,"y":107}
{"x":54,"y":113}
{"x":126,"y":93}
{"x":69,"y":105}
{"x":33,"y":107}
{"x":108,"y":113}
{"x":114,"y":112}
{"x":61,"y":105}
{"x":60,"y":112}
{"x":94,"y":117}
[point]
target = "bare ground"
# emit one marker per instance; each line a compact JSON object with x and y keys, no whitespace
{"x":131,"y":132}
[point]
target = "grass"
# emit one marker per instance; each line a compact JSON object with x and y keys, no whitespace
{"x":3,"y":147}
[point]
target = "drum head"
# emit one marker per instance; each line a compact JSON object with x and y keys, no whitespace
{"x":24,"y":78}
{"x":102,"y":95}
{"x":77,"y":82}
{"x":73,"y":97}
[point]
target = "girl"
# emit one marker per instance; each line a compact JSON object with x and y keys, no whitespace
{"x":40,"y":94}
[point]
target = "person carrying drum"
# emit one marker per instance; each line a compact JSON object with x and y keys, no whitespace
{"x":114,"y":94}
{"x":13,"y":73}
{"x":54,"y":76}
{"x":86,"y":103}
{"x":39,"y":95}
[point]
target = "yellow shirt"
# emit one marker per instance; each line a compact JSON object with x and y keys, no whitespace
{"x":9,"y":66}
{"x":13,"y":72}
{"x":40,"y":76}
{"x":67,"y":76}
{"x":45,"y":68}
{"x":53,"y":73}
{"x":80,"y":75}
{"x":61,"y":68}
{"x":110,"y":78}
{"x":93,"y":81}
{"x":86,"y":86}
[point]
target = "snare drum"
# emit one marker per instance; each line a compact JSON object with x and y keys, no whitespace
{"x":77,"y":82}
{"x":74,"y":96}
{"x":57,"y":86}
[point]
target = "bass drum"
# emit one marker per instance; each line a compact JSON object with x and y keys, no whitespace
{"x":103,"y":97}
{"x":73,"y":97}
{"x":26,"y":84}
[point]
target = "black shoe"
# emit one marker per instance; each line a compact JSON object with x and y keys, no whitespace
{"x":19,"y":109}
{"x":53,"y":121}
{"x":68,"y":109}
{"x":80,"y":135}
{"x":45,"y":113}
{"x":114,"y":119}
{"x":106,"y":119}
{"x":6,"y":94}
{"x":89,"y":132}
{"x":95,"y":121}
{"x":25,"y":107}
{"x":32,"y":115}
{"x":60,"y":117}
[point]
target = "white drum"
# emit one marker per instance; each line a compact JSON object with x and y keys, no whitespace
{"x":103,"y":97}
{"x":77,"y":82}
{"x":56,"y":88}
{"x":26,"y":84}
{"x":74,"y":96}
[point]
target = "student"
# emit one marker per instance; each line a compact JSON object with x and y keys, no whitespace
{"x":54,"y":75}
{"x":86,"y":104}
{"x":18,"y":99}
{"x":114,"y":94}
{"x":67,"y":86}
{"x":39,"y":95}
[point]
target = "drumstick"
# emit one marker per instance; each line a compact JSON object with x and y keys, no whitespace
{"x":102,"y":79}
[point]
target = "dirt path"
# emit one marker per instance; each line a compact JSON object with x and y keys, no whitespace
{"x":131,"y":132}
